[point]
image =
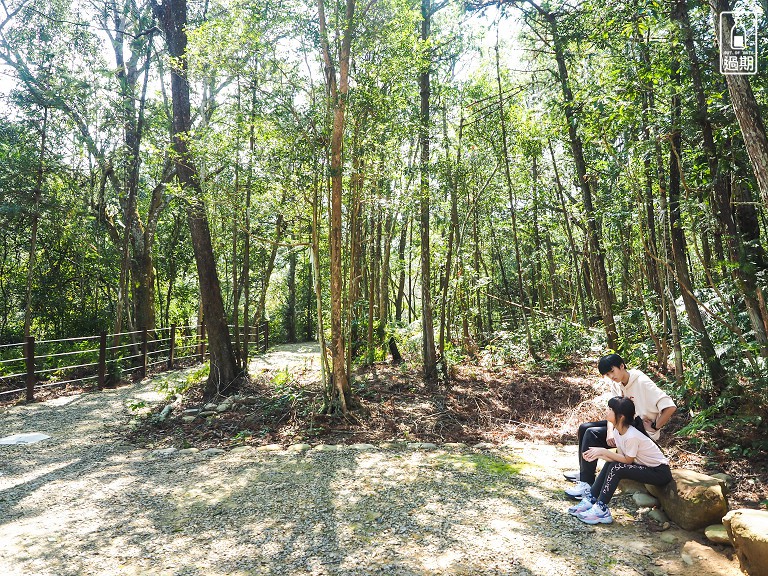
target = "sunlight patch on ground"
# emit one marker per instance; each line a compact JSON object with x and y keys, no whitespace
{"x":40,"y":471}
{"x":290,"y":357}
{"x":62,"y":400}
{"x":148,"y":396}
{"x":442,"y":561}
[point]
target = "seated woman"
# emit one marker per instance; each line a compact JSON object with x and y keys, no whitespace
{"x":637,"y":458}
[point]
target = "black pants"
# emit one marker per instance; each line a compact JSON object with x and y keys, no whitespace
{"x":591,"y":435}
{"x":613,"y":472}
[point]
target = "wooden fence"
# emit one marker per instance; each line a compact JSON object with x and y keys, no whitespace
{"x":107,"y":358}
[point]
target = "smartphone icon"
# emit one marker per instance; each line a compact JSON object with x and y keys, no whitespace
{"x":738,"y":37}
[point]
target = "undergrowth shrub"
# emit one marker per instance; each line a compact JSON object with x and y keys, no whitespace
{"x":557,"y":342}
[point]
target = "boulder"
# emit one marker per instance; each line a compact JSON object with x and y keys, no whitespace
{"x":644,"y":500}
{"x":691,"y":500}
{"x":628,"y":486}
{"x":726,"y":481}
{"x":748,"y":531}
{"x":717,"y":534}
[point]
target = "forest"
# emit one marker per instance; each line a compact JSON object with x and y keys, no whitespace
{"x":534,"y":180}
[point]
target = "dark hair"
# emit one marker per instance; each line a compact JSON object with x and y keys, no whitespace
{"x":605,"y":363}
{"x":623,"y":407}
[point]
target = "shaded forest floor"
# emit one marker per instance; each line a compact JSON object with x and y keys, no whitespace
{"x":481,"y":403}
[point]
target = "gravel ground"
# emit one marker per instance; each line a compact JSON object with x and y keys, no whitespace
{"x":86,"y":502}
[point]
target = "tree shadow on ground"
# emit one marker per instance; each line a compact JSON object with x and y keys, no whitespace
{"x":342,"y":512}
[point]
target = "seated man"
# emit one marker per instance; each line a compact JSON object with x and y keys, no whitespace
{"x":652,"y":404}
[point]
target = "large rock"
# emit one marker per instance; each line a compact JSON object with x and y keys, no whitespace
{"x":692,"y":500}
{"x":748,"y":531}
{"x":628,"y":486}
{"x":717,"y":534}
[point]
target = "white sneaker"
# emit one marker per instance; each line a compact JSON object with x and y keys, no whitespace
{"x":597,"y":514}
{"x":572,"y":475}
{"x":578,"y":491}
{"x":585,"y":504}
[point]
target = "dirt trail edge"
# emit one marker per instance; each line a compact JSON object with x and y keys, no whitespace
{"x":86,"y":502}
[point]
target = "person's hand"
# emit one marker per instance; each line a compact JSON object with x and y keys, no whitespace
{"x":611,"y":441}
{"x":593,"y":454}
{"x":647,"y":424}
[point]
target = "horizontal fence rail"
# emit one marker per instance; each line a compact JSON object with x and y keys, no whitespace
{"x":108,"y":358}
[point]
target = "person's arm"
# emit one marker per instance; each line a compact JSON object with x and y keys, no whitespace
{"x":655,"y":401}
{"x":663,"y":417}
{"x":651,"y":426}
{"x":607,"y":455}
{"x":609,"y":439}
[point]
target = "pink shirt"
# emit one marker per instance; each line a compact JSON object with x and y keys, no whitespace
{"x":637,"y":445}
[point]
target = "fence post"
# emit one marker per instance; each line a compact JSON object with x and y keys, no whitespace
{"x":266,"y":335}
{"x":172,"y":351}
{"x":144,"y":353}
{"x":29,"y":350}
{"x":202,"y":342}
{"x":102,"y":360}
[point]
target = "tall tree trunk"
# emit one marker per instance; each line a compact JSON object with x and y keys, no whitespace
{"x":143,"y":285}
{"x":141,"y":236}
{"x":476,"y":259}
{"x":704,"y":344}
{"x":554,"y":283}
{"x":411,"y":280}
{"x":290,"y":309}
{"x":261,"y":305}
{"x":309,"y":333}
{"x":247,"y":231}
{"x":513,"y":209}
{"x":377,"y":272}
{"x":537,"y":281}
{"x":429,"y":355}
{"x":384,"y":276}
{"x":325,"y":372}
{"x":235,"y":276}
{"x":453,"y":228}
{"x":596,"y":258}
{"x":669,"y":280}
{"x":338,"y":93}
{"x":573,"y":254}
{"x":402,"y":264}
{"x":36,"y":195}
{"x":373,"y":225}
{"x":172,"y":15}
{"x":500,"y":258}
{"x":648,"y":215}
{"x":173,"y":267}
{"x":752,"y":259}
{"x":355,"y":249}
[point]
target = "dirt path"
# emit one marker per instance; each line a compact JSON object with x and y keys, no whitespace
{"x":86,"y":502}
